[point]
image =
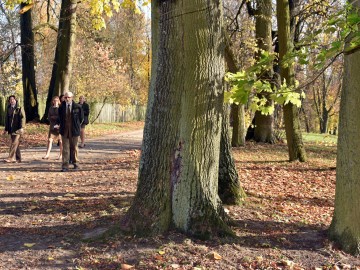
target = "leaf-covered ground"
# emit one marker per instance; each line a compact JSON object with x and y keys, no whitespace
{"x":54,"y":220}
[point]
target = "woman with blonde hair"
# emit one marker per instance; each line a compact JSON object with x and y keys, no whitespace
{"x":53,"y":131}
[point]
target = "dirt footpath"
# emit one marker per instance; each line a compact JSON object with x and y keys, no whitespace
{"x":101,"y":148}
{"x":45,"y":213}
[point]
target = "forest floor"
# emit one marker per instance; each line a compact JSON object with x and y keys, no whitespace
{"x":55,"y":220}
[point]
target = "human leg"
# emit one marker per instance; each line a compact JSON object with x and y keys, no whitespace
{"x":61,"y":149}
{"x":48,"y":149}
{"x":82,"y":137}
{"x":14,"y":153}
{"x":65,"y":152}
{"x":74,"y":150}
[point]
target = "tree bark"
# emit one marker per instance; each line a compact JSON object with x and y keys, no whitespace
{"x":291,"y":114}
{"x":28,"y":68}
{"x":238,"y":124}
{"x":237,"y":110}
{"x":62,"y":67}
{"x":178,"y":173}
{"x":264,"y":124}
{"x":230,"y":191}
{"x":345,"y":226}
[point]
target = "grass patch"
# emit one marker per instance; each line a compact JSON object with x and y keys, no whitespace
{"x":320,"y":138}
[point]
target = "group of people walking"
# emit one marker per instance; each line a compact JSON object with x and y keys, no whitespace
{"x":67,"y":123}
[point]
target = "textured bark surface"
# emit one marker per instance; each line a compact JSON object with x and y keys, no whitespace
{"x":237,"y":111}
{"x":238,"y":124}
{"x":178,"y":174}
{"x":264,"y":124}
{"x":230,"y":191}
{"x":345,"y":227}
{"x":62,"y":67}
{"x":291,"y":114}
{"x":28,"y":68}
{"x":264,"y":128}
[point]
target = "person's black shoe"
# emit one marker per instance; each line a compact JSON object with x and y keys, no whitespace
{"x":64,"y":169}
{"x":76,"y":167}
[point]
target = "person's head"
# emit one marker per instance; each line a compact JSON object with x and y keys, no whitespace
{"x":68,"y":97}
{"x":61,"y":97}
{"x":55,"y":101}
{"x":82,"y":99}
{"x":12,"y":100}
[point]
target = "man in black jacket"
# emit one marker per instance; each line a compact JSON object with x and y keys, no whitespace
{"x":14,"y":126}
{"x":71,"y":116}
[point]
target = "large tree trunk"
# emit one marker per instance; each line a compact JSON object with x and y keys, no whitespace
{"x":291,"y":114}
{"x":178,"y":173}
{"x":264,"y":124}
{"x":28,"y":68}
{"x":345,"y":226}
{"x":230,"y":191}
{"x":62,"y":67}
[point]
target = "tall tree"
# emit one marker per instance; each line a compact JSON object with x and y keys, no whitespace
{"x":291,"y":114}
{"x":264,"y":124}
{"x":62,"y":66}
{"x":237,"y":111}
{"x":28,"y":69}
{"x":345,"y":226}
{"x":178,"y":174}
{"x":326,"y":95}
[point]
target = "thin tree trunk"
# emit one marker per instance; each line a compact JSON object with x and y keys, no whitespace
{"x":178,"y":173}
{"x":62,"y":67}
{"x":291,"y":114}
{"x":28,"y":68}
{"x":238,"y":124}
{"x":264,"y":124}
{"x":237,"y":110}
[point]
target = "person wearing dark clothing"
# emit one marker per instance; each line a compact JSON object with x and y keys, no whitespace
{"x":14,"y":125}
{"x":71,"y":116}
{"x":54,"y":134}
{"x":86,"y":110}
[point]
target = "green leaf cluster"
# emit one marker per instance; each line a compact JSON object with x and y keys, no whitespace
{"x":250,"y":86}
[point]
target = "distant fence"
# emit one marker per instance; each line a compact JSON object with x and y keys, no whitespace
{"x":112,"y":113}
{"x":109,"y":113}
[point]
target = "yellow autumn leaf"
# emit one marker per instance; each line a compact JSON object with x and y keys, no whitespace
{"x":215,"y":256}
{"x":125,"y":266}
{"x":10,"y":178}
{"x":26,"y":8}
{"x":29,"y":245}
{"x":161,"y":252}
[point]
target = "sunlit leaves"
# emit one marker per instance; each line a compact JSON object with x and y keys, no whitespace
{"x":25,"y":8}
{"x":248,"y":86}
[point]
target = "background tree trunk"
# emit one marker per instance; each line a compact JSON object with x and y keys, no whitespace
{"x":62,"y":67}
{"x":345,"y":226}
{"x":238,"y":125}
{"x":28,"y":68}
{"x":291,"y":113}
{"x":237,"y":110}
{"x":264,"y":124}
{"x":178,"y":174}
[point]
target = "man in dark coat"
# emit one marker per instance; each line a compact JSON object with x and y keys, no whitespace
{"x":71,"y":116}
{"x":14,"y":126}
